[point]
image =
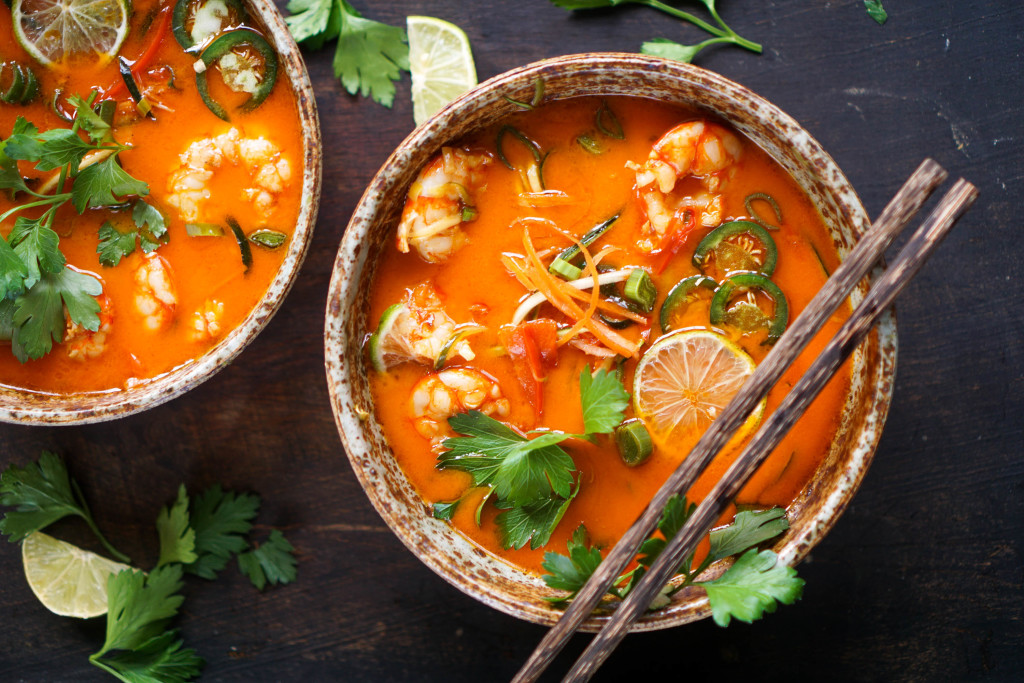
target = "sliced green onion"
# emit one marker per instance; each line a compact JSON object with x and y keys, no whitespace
{"x":608,"y":123}
{"x":564,"y":269}
{"x":679,"y":296}
{"x":518,"y":135}
{"x":203,"y":230}
{"x":570,"y":253}
{"x":57,"y":109}
{"x":267,"y":238}
{"x":589,"y":143}
{"x":469,"y":213}
{"x":756,"y":217}
{"x":538,"y":95}
{"x":243,"y":243}
{"x":450,"y":343}
{"x":24,"y":85}
{"x":634,"y":442}
{"x":141,"y":103}
{"x":640,"y":288}
{"x":821,"y":261}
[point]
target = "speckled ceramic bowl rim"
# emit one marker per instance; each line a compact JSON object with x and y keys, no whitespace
{"x":447,"y":552}
{"x":49,"y":409}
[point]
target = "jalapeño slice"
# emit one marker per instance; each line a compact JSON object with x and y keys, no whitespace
{"x":751,"y":281}
{"x":228,"y":43}
{"x":734,"y":253}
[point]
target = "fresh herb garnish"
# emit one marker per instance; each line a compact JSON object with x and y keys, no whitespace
{"x":221,"y":520}
{"x":42,"y":285}
{"x":41,"y":493}
{"x":139,"y":647}
{"x":200,"y":538}
{"x":532,"y":479}
{"x":663,"y":47}
{"x":745,"y":591}
{"x":370,"y":55}
{"x":876,"y":11}
{"x":271,"y":562}
{"x":177,"y":537}
{"x":150,"y":233}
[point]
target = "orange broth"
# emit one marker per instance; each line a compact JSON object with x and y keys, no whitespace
{"x":203,"y":268}
{"x":475,"y":286}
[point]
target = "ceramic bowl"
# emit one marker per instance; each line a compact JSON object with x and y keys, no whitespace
{"x":372,"y":230}
{"x":36,"y":408}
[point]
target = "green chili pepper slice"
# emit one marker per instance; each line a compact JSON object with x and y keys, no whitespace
{"x":720,"y":302}
{"x":740,"y":258}
{"x":755,"y":216}
{"x":224,"y":44}
{"x":679,"y":297}
{"x":267,"y":238}
{"x":24,"y":85}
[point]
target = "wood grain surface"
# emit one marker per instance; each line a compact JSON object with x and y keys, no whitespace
{"x":921,"y":580}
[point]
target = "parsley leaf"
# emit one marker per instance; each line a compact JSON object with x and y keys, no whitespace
{"x":177,"y":538}
{"x":41,"y":493}
{"x":272,"y":561}
{"x":532,"y":523}
{"x":40,"y":311}
{"x":876,"y":11}
{"x":570,"y":573}
{"x":151,"y":233}
{"x":13,"y":271}
{"x":221,"y":520}
{"x":670,"y":49}
{"x":604,"y":401}
{"x":520,"y":470}
{"x":139,"y":648}
{"x":750,"y":528}
{"x":751,"y":587}
{"x":370,"y":55}
{"x":104,"y":184}
{"x":444,"y":511}
{"x":37,"y":246}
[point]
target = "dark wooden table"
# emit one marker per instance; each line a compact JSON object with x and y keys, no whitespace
{"x":920,"y":580}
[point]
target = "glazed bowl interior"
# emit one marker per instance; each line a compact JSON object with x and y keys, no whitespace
{"x":372,"y":228}
{"x":78,"y":408}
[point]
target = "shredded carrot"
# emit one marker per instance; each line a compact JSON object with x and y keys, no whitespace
{"x":595,"y":292}
{"x":554,"y":291}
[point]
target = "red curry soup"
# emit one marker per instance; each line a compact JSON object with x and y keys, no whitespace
{"x":162,"y":229}
{"x":491,"y":327}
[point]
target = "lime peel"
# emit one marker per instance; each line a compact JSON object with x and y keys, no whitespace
{"x":68,"y":581}
{"x":440,"y":63}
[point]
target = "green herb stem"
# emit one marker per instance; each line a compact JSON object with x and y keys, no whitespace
{"x":87,"y":516}
{"x":724,"y":33}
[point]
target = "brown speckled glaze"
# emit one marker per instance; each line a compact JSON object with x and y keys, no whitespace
{"x":50,"y":409}
{"x":371,"y":230}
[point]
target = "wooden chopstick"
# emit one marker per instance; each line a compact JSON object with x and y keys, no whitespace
{"x":867,"y":252}
{"x":879,"y":298}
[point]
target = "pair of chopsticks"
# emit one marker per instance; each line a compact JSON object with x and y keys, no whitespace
{"x":864,"y":256}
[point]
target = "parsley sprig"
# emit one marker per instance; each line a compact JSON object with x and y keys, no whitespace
{"x":36,"y":284}
{"x":370,"y":55}
{"x":749,"y":588}
{"x":663,"y":47}
{"x":198,"y":536}
{"x":531,"y":478}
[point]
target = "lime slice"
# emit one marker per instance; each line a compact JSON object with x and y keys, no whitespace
{"x":386,"y":347}
{"x":68,"y":580}
{"x":55,"y":30}
{"x":685,"y":380}
{"x":441,"y":64}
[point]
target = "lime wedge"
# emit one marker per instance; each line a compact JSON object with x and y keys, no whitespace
{"x":53,"y":31}
{"x":441,"y":64}
{"x":68,"y":580}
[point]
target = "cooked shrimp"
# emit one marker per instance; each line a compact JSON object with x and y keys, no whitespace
{"x":703,"y":150}
{"x":422,"y":329}
{"x":442,"y":394}
{"x":206,"y":323}
{"x":83,"y":344}
{"x":155,"y":295}
{"x":439,"y":201}
{"x":270,"y":172}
